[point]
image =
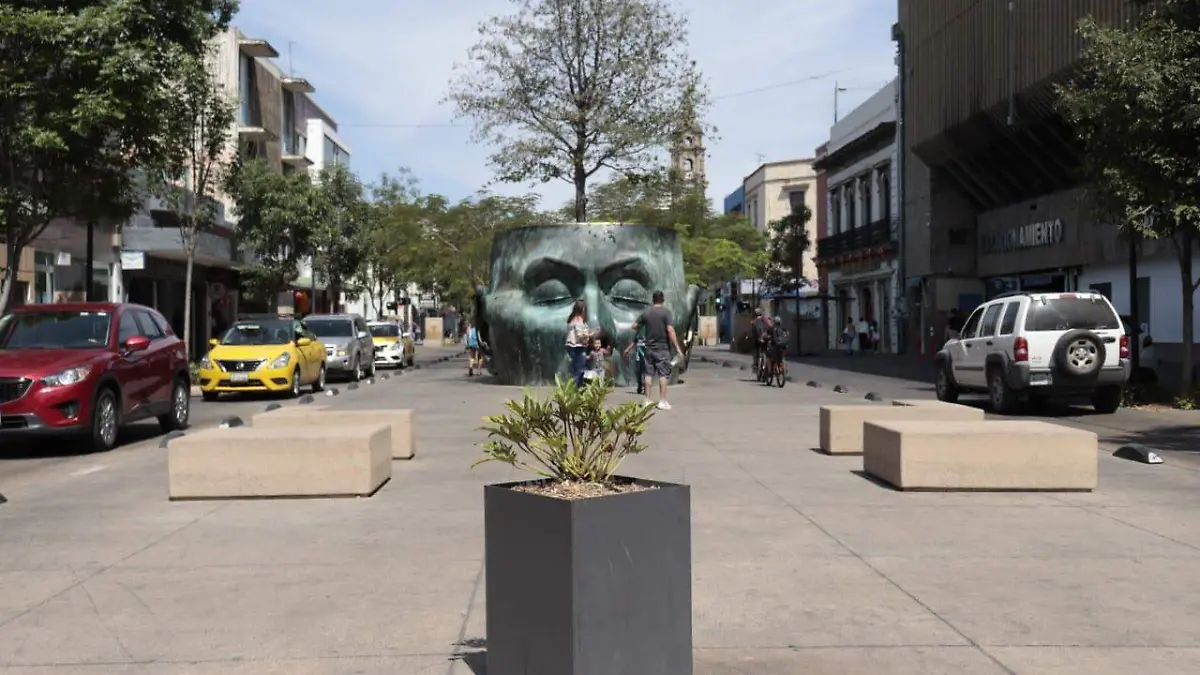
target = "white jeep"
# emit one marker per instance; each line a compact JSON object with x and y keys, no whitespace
{"x":1038,"y":345}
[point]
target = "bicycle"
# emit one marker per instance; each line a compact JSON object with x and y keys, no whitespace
{"x":781,"y":373}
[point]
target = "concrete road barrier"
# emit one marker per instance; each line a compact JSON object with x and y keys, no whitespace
{"x":842,"y":425}
{"x":964,"y":455}
{"x":302,"y":461}
{"x":401,"y":422}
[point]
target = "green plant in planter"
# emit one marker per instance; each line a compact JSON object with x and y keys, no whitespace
{"x":568,"y":436}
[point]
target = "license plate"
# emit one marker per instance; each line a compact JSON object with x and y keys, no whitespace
{"x":1039,"y":379}
{"x":239,"y":377}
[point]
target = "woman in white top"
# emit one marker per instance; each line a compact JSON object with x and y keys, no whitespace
{"x":578,"y":337}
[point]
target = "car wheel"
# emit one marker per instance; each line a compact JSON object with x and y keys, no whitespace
{"x":319,"y":385}
{"x":106,"y":421}
{"x":295,"y":391}
{"x":209,"y":396}
{"x":1079,"y":355}
{"x":1002,"y":395}
{"x":371,"y":369}
{"x":1107,"y":399}
{"x":357,"y":371}
{"x":181,"y":406}
{"x":947,"y":391}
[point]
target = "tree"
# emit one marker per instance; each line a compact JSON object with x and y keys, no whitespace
{"x":199,"y":163}
{"x":339,"y":233}
{"x":277,"y":214}
{"x":789,"y":242}
{"x":1132,"y":106}
{"x":82,"y":104}
{"x":396,"y":249}
{"x":565,"y":88}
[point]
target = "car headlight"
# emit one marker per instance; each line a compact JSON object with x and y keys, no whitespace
{"x":341,"y":352}
{"x":395,"y":347}
{"x":205,"y":363}
{"x":68,"y":376}
{"x":282,"y":360}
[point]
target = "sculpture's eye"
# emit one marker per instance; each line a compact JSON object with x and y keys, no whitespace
{"x":629,"y":293}
{"x":551,"y":292}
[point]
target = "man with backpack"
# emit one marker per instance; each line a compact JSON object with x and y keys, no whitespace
{"x":760,"y":335}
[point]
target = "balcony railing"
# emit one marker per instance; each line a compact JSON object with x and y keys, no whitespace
{"x":872,"y":235}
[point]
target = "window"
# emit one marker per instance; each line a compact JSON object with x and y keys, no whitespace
{"x":689,"y":141}
{"x":851,"y":204}
{"x":148,"y":327}
{"x":689,"y":165}
{"x":289,"y":123}
{"x":246,"y":89}
{"x":1103,"y":289}
{"x":127,"y":328}
{"x":796,"y":201}
{"x":1009,"y":323}
{"x":161,"y":323}
{"x":835,"y":211}
{"x":972,"y":323}
{"x":1070,"y":313}
{"x":330,"y":152}
{"x":885,"y":192}
{"x":990,"y":318}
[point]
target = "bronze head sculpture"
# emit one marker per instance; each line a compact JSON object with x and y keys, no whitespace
{"x":537,"y":274}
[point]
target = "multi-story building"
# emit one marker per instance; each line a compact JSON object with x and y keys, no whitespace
{"x":992,"y":200}
{"x":778,"y":189}
{"x":857,"y":254}
{"x":735,"y":202}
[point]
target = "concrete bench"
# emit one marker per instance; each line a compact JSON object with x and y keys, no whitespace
{"x":925,"y":403}
{"x":401,"y":422}
{"x":1001,"y":455}
{"x":304,"y":461}
{"x":842,"y":425}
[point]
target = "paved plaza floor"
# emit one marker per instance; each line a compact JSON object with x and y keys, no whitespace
{"x":800,"y":565}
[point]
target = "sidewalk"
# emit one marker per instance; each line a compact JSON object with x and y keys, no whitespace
{"x":800,"y":565}
{"x":895,"y":376}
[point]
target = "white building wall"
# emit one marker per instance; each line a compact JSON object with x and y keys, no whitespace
{"x":1166,"y":294}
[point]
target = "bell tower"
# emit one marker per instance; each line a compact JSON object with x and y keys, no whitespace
{"x":687,"y":155}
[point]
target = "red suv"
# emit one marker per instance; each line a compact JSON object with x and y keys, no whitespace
{"x":84,"y":369}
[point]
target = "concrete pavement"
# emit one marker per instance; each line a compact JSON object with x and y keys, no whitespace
{"x":800,"y":564}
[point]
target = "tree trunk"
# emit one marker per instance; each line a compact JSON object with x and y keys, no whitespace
{"x":580,"y":194}
{"x":187,"y":303}
{"x":1187,"y":283}
{"x":8,"y":281}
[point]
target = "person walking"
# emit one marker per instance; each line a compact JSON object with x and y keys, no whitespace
{"x":474,"y":357}
{"x":639,"y":359}
{"x":848,"y":335}
{"x":864,"y":335}
{"x":578,"y":340}
{"x":660,"y":337}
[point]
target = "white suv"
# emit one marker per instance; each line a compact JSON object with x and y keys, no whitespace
{"x":1038,"y":345}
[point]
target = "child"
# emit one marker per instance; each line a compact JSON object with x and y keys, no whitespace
{"x":639,"y":360}
{"x":595,"y":361}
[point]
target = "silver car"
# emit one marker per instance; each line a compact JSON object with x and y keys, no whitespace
{"x":349,"y":350}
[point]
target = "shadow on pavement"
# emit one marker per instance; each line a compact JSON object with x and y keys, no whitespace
{"x":879,"y":365}
{"x":472,"y":652}
{"x":45,"y":449}
{"x":1180,"y":438}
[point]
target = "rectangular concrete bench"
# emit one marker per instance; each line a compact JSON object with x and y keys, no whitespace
{"x":305,"y":461}
{"x":401,"y":422}
{"x":999,"y":455}
{"x":925,"y":403}
{"x":842,"y":425}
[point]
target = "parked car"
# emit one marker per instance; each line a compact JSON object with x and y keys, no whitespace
{"x":393,"y":347}
{"x":267,"y":354}
{"x":1038,"y":345}
{"x":349,"y":349}
{"x":82,"y":370}
{"x":1148,"y":358}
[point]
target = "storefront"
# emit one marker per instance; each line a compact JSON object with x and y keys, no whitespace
{"x":1037,"y":246}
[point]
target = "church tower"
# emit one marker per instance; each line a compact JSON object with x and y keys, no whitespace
{"x":687,"y":155}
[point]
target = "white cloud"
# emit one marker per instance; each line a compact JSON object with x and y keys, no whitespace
{"x":388,"y":62}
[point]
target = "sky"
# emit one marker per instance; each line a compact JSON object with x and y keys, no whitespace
{"x":382,"y":67}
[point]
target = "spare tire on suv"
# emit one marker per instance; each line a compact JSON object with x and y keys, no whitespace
{"x":1079,"y":355}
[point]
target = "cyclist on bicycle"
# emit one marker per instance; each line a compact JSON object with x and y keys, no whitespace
{"x":760,"y":335}
{"x":779,"y":342}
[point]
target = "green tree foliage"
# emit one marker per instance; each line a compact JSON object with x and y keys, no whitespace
{"x":564,"y":89}
{"x":277,"y":215}
{"x":198,"y":160}
{"x":716,"y":248}
{"x":83,"y":103}
{"x":393,"y":242}
{"x":1133,"y":106}
{"x":341,"y":230}
{"x":789,"y":242}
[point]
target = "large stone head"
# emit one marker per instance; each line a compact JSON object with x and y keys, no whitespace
{"x":537,"y":274}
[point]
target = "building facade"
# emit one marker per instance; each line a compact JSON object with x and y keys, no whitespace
{"x":735,"y":202}
{"x":858,"y":252}
{"x":778,"y":189}
{"x":992,"y":200}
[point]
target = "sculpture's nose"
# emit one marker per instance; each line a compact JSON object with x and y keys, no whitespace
{"x":591,"y":295}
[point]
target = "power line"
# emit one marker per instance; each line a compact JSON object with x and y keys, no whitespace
{"x":746,"y":92}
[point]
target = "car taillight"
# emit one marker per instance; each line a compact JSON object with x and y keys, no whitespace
{"x":1020,"y":350}
{"x":1124,"y":346}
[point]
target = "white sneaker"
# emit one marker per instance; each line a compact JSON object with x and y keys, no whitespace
{"x":647,"y":403}
{"x":663,"y":405}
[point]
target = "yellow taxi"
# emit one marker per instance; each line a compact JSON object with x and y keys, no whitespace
{"x":270,"y":354}
{"x":393,"y":347}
